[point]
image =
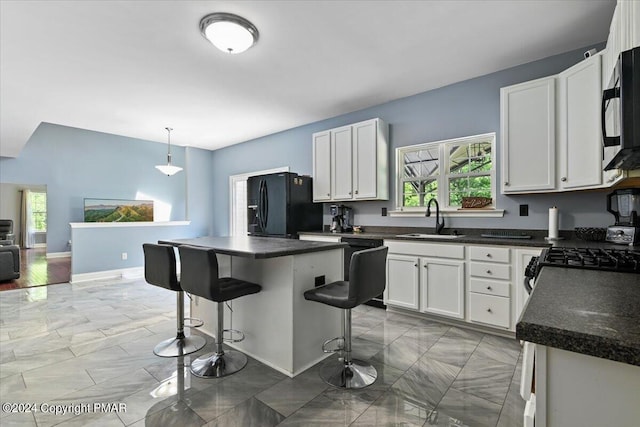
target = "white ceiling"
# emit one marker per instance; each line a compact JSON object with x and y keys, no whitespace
{"x":133,"y":67}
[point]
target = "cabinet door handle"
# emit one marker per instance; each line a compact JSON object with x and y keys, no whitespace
{"x":489,"y":272}
{"x":489,"y":310}
{"x":488,"y":255}
{"x":356,"y":191}
{"x":328,"y":195}
{"x":563,"y":179}
{"x":415,"y":265}
{"x":489,"y":288}
{"x":506,"y":183}
{"x":425,"y":266}
{"x":350,"y":193}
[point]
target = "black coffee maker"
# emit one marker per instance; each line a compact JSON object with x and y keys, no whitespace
{"x":341,"y":219}
{"x":624,"y":205}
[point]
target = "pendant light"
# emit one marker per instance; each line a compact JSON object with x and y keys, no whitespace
{"x":228,"y":32}
{"x":169,"y":169}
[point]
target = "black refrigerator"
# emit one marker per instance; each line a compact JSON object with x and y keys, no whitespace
{"x":280,"y":205}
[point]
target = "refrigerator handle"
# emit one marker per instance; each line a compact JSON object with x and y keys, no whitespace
{"x":259,"y":208}
{"x":265,"y":205}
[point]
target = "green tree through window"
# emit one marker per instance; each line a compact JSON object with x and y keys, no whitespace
{"x":447,"y":171}
{"x":38,"y":202}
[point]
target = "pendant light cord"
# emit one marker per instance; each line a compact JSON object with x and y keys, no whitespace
{"x":169,"y":146}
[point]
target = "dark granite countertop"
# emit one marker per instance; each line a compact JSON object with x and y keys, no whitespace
{"x":256,"y":247}
{"x":585,"y":311}
{"x":471,"y":236}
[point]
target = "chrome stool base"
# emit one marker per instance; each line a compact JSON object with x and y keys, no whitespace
{"x":175,"y":347}
{"x":216,"y":365}
{"x":350,"y":375}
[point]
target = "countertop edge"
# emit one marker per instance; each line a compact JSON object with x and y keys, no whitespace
{"x":576,"y":342}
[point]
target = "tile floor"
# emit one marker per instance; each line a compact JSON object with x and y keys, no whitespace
{"x":66,"y":347}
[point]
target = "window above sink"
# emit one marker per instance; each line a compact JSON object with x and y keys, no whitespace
{"x":446,"y":170}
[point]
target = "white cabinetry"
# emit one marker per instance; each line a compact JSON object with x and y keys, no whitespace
{"x":402,"y":281}
{"x":489,"y":286}
{"x":442,"y":287}
{"x":528,"y":136}
{"x":342,"y":161}
{"x":351,"y":162}
{"x":426,"y":277}
{"x":579,"y":131}
{"x":322,"y":166}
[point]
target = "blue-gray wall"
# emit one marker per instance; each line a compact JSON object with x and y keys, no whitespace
{"x":75,"y":163}
{"x":466,"y":108}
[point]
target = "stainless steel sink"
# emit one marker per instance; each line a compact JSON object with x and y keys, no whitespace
{"x":431,"y":236}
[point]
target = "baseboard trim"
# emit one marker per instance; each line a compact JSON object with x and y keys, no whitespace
{"x":123,"y":273}
{"x":58,"y":254}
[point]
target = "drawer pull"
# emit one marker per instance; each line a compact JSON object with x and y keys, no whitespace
{"x":489,"y":288}
{"x":489,"y":310}
{"x":488,"y":255}
{"x":489,"y":272}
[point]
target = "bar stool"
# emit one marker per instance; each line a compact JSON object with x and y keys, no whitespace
{"x":367,"y":279}
{"x":200,"y":277}
{"x":160,"y":270}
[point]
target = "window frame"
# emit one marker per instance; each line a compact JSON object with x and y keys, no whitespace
{"x":32,"y":195}
{"x":444,"y":176}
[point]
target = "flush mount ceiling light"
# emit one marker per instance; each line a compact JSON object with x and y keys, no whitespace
{"x":169,"y":169}
{"x":228,"y":32}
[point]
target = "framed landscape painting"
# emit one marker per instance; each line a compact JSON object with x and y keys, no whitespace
{"x":115,"y":210}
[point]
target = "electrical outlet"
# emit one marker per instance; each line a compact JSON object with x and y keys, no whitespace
{"x":124,"y":256}
{"x":384,"y":211}
{"x":524,"y":210}
{"x":319,"y":281}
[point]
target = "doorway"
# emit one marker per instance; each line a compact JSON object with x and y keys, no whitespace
{"x":26,"y":205}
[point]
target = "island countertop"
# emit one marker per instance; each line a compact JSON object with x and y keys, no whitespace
{"x":596,"y":313}
{"x":256,"y":247}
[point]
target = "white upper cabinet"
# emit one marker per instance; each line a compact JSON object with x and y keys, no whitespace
{"x":528,"y":136}
{"x":359,"y":162}
{"x":579,"y":130}
{"x":322,"y":166}
{"x":342,"y":161}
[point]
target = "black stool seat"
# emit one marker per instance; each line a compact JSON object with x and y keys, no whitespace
{"x":367,"y":279}
{"x":199,"y":276}
{"x":160,"y":270}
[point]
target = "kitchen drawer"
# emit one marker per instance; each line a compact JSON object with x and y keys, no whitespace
{"x":489,"y":253}
{"x":440,"y":250}
{"x":490,"y":271}
{"x":489,"y":287}
{"x":489,"y":309}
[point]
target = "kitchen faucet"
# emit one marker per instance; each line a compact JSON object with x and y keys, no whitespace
{"x":439,"y":225}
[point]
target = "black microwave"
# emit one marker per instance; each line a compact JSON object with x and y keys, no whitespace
{"x":621,"y":111}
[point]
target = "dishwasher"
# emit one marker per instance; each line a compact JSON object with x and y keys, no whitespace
{"x":358,"y":244}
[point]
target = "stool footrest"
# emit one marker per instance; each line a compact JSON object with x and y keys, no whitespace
{"x":231,"y":332}
{"x":194,"y":322}
{"x":339,"y":345}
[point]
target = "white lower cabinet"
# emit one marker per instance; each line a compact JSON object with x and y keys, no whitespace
{"x":442,"y":287}
{"x":478,"y":284}
{"x":426,"y":277}
{"x":402,"y":281}
{"x":490,"y":286}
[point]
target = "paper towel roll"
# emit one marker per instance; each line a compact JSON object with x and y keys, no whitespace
{"x":553,"y":223}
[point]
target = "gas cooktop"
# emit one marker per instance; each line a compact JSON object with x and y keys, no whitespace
{"x":622,"y":260}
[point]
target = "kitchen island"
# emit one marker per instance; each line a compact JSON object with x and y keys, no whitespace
{"x":586,"y":326}
{"x":282,"y":329}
